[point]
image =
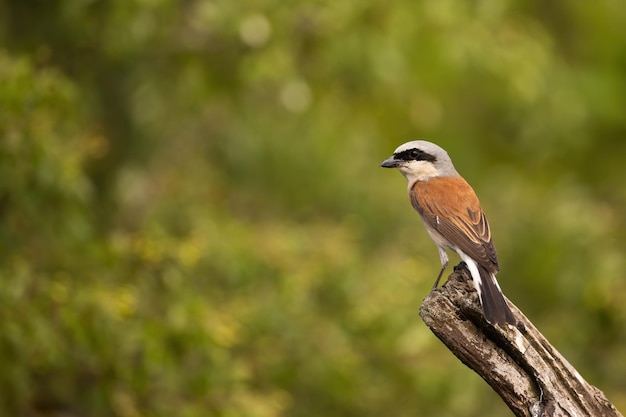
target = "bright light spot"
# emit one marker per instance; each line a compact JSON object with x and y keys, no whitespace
{"x":296,"y":96}
{"x":255,"y":30}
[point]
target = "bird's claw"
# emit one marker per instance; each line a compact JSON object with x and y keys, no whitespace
{"x":462,"y":265}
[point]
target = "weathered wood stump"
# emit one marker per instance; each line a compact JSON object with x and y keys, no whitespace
{"x":530,"y":375}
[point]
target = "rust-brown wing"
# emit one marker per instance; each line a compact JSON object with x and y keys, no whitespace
{"x":450,"y":206}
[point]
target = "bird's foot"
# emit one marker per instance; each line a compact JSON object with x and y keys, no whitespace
{"x":462,"y":265}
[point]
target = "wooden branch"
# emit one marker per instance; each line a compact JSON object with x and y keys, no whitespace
{"x":528,"y":373}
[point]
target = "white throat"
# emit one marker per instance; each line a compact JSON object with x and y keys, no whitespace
{"x":418,"y":171}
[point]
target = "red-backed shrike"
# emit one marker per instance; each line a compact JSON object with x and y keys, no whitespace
{"x":454,"y":220}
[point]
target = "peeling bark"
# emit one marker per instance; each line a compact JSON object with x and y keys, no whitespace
{"x":528,"y":373}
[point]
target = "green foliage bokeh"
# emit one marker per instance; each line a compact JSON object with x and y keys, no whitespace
{"x":194,"y":222}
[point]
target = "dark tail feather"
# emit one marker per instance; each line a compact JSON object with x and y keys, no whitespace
{"x":496,"y":309}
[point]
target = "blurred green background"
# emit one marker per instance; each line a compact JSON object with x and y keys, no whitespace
{"x":194,"y":222}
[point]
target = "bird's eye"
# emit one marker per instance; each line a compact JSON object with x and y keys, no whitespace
{"x":414,"y":153}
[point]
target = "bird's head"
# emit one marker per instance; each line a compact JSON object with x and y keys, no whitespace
{"x":420,"y":160}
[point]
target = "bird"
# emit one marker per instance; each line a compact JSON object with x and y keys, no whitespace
{"x":454,"y":219}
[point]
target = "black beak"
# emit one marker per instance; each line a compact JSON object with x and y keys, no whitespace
{"x":390,"y":163}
